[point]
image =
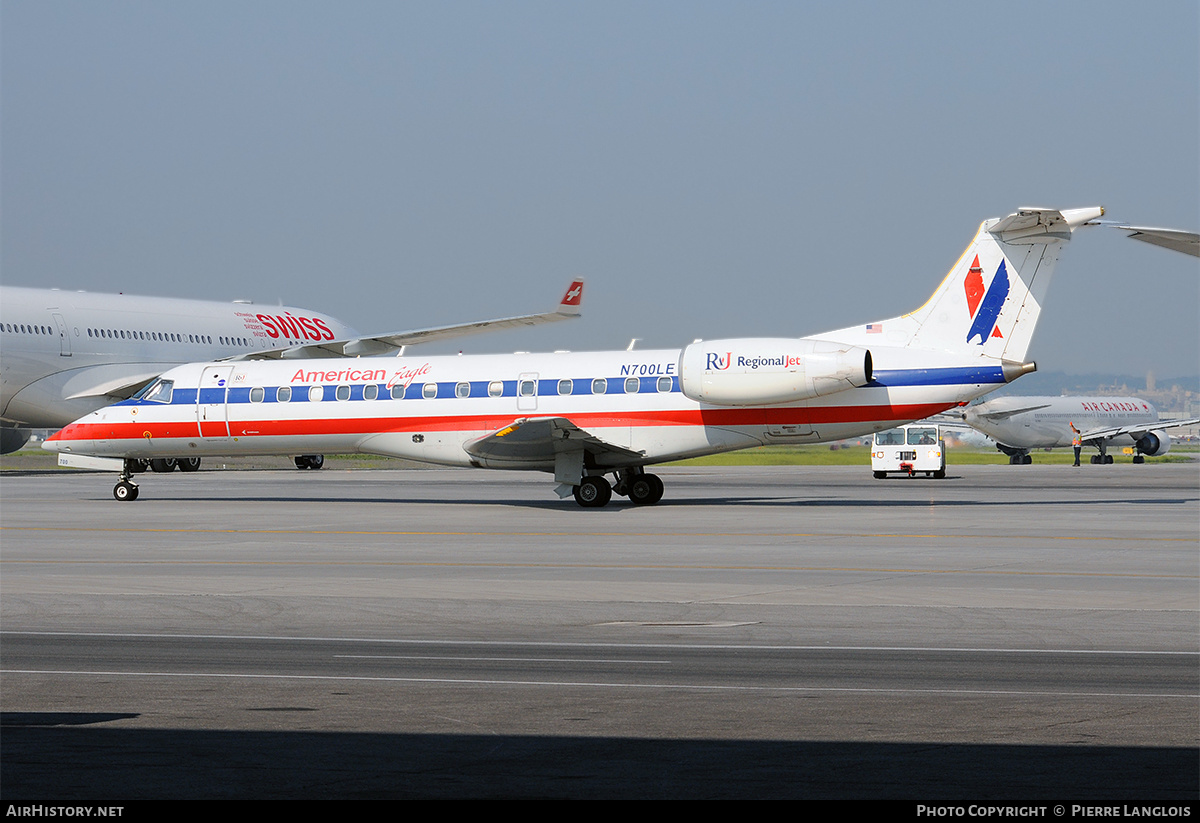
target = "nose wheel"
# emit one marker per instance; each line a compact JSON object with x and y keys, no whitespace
{"x":125,"y":491}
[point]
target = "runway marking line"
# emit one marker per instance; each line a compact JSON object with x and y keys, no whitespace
{"x":580,"y":535}
{"x":593,"y":644}
{"x":598,"y":685}
{"x":435,"y":564}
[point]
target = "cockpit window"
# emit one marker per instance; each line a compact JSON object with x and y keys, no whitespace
{"x":159,"y":391}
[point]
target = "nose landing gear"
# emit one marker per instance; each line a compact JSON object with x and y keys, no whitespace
{"x":126,"y":490}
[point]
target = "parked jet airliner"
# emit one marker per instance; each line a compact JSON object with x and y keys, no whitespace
{"x":587,"y":415}
{"x":64,"y":353}
{"x":1020,"y":424}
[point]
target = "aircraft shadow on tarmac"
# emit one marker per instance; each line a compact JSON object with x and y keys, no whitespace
{"x":619,"y":506}
{"x":42,"y":758}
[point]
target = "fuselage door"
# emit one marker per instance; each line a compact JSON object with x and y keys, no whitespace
{"x":64,"y":346}
{"x":212,"y":414}
{"x":527,"y":386}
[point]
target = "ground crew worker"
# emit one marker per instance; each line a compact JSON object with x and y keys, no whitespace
{"x":1076,"y":441}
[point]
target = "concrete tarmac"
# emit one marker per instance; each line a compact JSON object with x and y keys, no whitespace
{"x":1010,"y":632}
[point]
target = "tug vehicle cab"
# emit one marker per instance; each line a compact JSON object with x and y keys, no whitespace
{"x":917,"y":447}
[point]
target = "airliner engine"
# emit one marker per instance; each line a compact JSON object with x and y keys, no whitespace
{"x":756,"y":371}
{"x":1154,"y":444}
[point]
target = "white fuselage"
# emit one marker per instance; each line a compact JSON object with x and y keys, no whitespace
{"x":1050,"y":425}
{"x":431,"y":408}
{"x":64,"y":354}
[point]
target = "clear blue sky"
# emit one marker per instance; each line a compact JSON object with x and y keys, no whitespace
{"x":713,"y":169}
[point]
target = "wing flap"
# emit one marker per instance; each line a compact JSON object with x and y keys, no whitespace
{"x":537,"y":441}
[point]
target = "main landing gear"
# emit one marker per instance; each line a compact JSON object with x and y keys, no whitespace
{"x":1016,"y":456}
{"x":310,"y":461}
{"x":594,"y":491}
{"x":170,"y":464}
{"x":1103,"y":458}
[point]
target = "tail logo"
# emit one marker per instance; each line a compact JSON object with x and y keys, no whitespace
{"x":984,"y":304}
{"x":571,"y":298}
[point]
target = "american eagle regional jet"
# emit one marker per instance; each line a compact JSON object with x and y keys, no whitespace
{"x":585,"y":417}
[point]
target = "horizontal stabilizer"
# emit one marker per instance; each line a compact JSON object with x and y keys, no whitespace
{"x":1029,"y":223}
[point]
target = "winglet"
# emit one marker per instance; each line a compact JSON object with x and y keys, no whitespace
{"x":572,"y":301}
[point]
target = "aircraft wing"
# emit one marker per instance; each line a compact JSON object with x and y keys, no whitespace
{"x":1138,"y":430}
{"x":1004,"y":414}
{"x":1173,"y":239}
{"x":568,"y":309}
{"x":111,"y":381}
{"x":539,"y":440}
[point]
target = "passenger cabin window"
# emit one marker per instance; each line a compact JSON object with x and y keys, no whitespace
{"x":462,"y":390}
{"x":284,"y":394}
{"x":565,"y":386}
{"x":398,"y":392}
{"x":599,"y":385}
{"x":315,"y":394}
{"x":257,"y":394}
{"x":343,"y":392}
{"x":664,"y":384}
{"x":496,"y":389}
{"x":370,"y":391}
{"x":632,"y":384}
{"x":528,"y":388}
{"x":429,"y":391}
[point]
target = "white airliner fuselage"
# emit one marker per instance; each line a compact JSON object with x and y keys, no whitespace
{"x":582,"y":416}
{"x":1021,"y":424}
{"x":64,"y":353}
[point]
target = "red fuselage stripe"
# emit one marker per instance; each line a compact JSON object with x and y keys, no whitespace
{"x":137,"y":430}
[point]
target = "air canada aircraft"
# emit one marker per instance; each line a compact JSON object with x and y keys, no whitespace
{"x":1020,"y":424}
{"x":66,"y":353}
{"x":586,"y":416}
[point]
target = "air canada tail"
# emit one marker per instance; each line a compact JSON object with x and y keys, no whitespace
{"x":989,"y":303}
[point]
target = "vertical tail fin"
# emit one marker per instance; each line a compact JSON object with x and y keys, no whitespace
{"x":990,"y":302}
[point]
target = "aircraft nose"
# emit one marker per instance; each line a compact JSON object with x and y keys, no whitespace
{"x":65,"y":439}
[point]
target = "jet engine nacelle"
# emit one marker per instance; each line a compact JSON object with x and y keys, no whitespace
{"x":13,"y":439}
{"x":761,"y":371}
{"x":1155,"y":443}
